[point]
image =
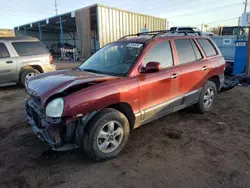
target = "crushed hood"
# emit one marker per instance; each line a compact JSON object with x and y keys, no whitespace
{"x":48,"y":84}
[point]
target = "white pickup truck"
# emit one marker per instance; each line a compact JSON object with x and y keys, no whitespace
{"x":22,"y":58}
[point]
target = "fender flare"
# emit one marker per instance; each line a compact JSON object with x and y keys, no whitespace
{"x":81,"y":127}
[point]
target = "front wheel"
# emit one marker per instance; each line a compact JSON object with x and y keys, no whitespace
{"x":106,"y":135}
{"x":26,"y":74}
{"x":207,"y":98}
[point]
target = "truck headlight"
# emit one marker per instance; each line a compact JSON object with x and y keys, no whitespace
{"x":55,"y":108}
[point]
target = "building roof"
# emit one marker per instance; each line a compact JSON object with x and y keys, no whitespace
{"x":72,"y":14}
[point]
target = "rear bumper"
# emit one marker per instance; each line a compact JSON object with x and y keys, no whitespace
{"x":49,"y":68}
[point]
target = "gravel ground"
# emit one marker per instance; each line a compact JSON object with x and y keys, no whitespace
{"x":183,"y":150}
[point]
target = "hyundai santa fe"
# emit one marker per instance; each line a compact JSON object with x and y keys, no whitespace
{"x":124,"y":85}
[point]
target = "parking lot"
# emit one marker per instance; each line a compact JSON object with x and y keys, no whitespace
{"x":184,"y":149}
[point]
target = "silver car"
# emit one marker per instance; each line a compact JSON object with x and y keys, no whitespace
{"x":22,"y":58}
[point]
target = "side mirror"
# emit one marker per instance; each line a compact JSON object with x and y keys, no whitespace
{"x":153,"y":67}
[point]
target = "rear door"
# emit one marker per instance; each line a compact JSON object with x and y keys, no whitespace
{"x":8,"y":69}
{"x":159,"y":91}
{"x":213,"y":58}
{"x":193,"y":68}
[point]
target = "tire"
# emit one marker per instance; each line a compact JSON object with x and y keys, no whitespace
{"x":203,"y":105}
{"x":93,"y":141}
{"x":25,"y":73}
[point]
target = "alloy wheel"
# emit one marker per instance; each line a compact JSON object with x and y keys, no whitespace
{"x":110,"y":136}
{"x":208,"y":97}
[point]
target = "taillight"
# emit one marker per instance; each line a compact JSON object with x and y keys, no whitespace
{"x":51,"y":59}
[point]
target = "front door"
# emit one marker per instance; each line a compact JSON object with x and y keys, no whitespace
{"x":159,"y":92}
{"x":7,"y":66}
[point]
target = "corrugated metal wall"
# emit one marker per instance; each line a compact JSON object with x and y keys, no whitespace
{"x":114,"y":23}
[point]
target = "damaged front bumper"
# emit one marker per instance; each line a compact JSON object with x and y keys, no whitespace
{"x":58,"y":133}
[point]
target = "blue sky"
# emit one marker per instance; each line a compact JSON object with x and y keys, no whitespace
{"x":178,"y":12}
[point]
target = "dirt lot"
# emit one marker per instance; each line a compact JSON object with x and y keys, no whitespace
{"x":183,"y":150}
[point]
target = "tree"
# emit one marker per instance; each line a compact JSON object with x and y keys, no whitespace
{"x":215,"y":30}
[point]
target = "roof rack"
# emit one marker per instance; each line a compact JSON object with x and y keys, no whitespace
{"x":163,"y":32}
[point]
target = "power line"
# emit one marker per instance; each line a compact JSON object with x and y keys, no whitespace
{"x":205,"y":10}
{"x":197,"y":5}
{"x":223,"y":20}
{"x":18,"y":15}
{"x":217,"y":21}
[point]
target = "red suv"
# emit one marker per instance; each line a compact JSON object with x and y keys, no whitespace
{"x":124,"y":85}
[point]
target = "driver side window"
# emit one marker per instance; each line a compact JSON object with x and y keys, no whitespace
{"x":161,"y":53}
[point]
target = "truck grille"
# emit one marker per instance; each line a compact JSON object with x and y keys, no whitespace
{"x":33,"y":109}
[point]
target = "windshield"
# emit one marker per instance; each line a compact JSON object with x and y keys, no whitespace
{"x":114,"y":59}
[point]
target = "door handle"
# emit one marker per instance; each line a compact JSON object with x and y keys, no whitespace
{"x":8,"y":62}
{"x":175,"y":75}
{"x":204,"y":68}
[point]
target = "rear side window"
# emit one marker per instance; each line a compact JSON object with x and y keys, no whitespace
{"x":29,"y":48}
{"x":185,"y":51}
{"x":196,"y":50}
{"x":207,"y":47}
{"x":161,"y":53}
{"x":4,"y":51}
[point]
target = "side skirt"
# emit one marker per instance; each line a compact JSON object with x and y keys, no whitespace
{"x":160,"y":110}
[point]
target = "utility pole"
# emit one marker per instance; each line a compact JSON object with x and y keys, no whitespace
{"x":202,"y":27}
{"x":206,"y":26}
{"x":56,"y":7}
{"x":248,"y":44}
{"x":245,"y":6}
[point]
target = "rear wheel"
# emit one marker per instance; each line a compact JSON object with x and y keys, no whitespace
{"x":106,"y":135}
{"x":26,"y":74}
{"x":207,"y":97}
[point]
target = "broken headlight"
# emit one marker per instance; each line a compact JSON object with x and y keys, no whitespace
{"x":55,"y":108}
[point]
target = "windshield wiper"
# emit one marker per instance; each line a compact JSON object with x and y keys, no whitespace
{"x":94,"y":71}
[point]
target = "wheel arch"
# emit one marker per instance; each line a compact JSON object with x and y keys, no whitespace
{"x":127,"y":110}
{"x":36,"y":67}
{"x":216,"y":80}
{"x":122,"y":107}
